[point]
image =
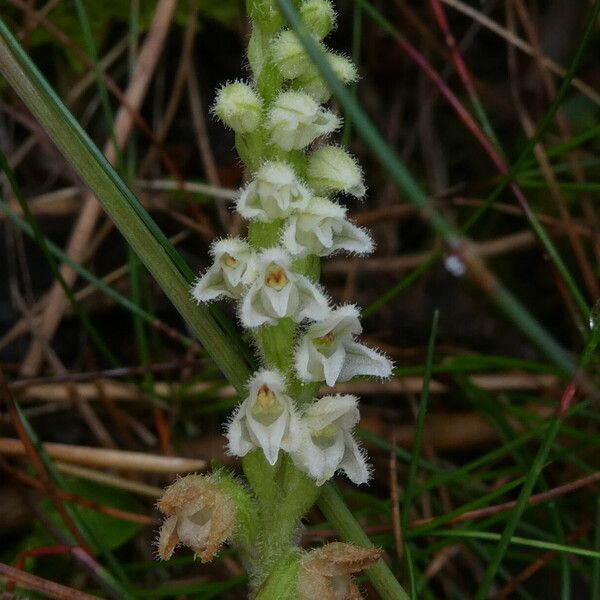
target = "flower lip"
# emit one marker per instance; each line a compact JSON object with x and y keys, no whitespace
{"x":266,"y":419}
{"x":275,"y":277}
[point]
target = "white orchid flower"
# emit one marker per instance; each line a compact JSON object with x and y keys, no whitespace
{"x":328,"y":351}
{"x":233,"y":269}
{"x":322,"y":229}
{"x":296,"y":120}
{"x":331,"y":170}
{"x":274,"y":193}
{"x":265,"y":419}
{"x":279,"y":292}
{"x":327,"y":443}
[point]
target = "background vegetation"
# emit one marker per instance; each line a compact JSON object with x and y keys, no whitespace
{"x":485,"y":442}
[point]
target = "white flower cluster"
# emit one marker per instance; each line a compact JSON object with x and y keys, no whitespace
{"x":268,"y":283}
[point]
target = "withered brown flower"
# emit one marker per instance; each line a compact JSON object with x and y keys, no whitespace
{"x":198,"y":515}
{"x":326,"y":572}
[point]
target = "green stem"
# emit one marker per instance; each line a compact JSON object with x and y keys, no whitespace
{"x":338,"y":514}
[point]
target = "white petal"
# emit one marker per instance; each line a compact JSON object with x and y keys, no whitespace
{"x":271,"y":426}
{"x":329,"y":409}
{"x":362,"y":360}
{"x":354,"y":463}
{"x":314,"y":305}
{"x":251,"y":310}
{"x":269,"y":437}
{"x":211,"y":285}
{"x":238,"y":437}
{"x":233,"y":269}
{"x":295,"y":120}
{"x":333,"y":365}
{"x":320,"y":463}
{"x":322,"y":229}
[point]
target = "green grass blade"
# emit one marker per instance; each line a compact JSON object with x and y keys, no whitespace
{"x":411,"y":479}
{"x":40,"y":240}
{"x":542,"y":545}
{"x":530,"y":481}
{"x":122,"y":301}
{"x":141,"y":232}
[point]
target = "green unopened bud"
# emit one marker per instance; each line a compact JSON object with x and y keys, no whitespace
{"x":319,"y":16}
{"x":331,"y":169}
{"x":315,"y":86}
{"x":239,"y":106}
{"x":289,"y":55}
{"x":267,"y":14}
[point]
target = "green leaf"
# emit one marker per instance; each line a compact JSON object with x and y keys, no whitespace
{"x":113,"y":532}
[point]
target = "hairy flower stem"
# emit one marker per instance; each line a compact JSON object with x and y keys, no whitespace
{"x":283,"y":492}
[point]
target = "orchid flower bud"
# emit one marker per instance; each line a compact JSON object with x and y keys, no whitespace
{"x":280,"y":292}
{"x":318,"y":16}
{"x":239,"y":107}
{"x":296,"y":120}
{"x":274,"y":193}
{"x":266,"y":419}
{"x":328,"y":351}
{"x":312,"y":83}
{"x":327,"y":443}
{"x":331,"y":169}
{"x":289,"y":55}
{"x":322,"y":229}
{"x":198,"y":515}
{"x":325,"y":573}
{"x":233,"y":270}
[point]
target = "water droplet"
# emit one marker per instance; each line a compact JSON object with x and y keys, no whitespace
{"x":454,"y":265}
{"x":595,"y":315}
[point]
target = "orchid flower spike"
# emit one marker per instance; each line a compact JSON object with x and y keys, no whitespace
{"x":280,"y":292}
{"x":233,"y":269}
{"x":328,"y":351}
{"x":274,"y":193}
{"x":296,"y":120}
{"x":265,"y":419}
{"x":327,"y":443}
{"x":322,"y":229}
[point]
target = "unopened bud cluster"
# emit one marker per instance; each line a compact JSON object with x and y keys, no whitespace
{"x":293,"y":195}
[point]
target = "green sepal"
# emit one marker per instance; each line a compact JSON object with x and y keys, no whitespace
{"x":246,"y":532}
{"x":300,"y":491}
{"x":261,"y":477}
{"x":282,"y":581}
{"x":276,"y":343}
{"x":267,"y":14}
{"x":308,"y":265}
{"x":264,"y":235}
{"x":251,"y":148}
